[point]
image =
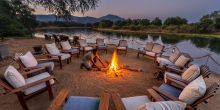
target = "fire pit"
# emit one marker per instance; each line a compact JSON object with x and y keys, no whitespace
{"x":114,"y":69}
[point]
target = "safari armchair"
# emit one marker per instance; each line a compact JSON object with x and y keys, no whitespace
{"x":33,"y":85}
{"x":174,"y":77}
{"x":65,"y":102}
{"x":53,"y":52}
{"x":122,"y":46}
{"x":100,"y":45}
{"x":67,"y":48}
{"x":84,"y":46}
{"x":170,"y":92}
{"x":133,"y":103}
{"x":152,"y":50}
{"x":42,"y":62}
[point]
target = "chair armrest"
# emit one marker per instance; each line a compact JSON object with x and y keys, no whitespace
{"x":119,"y":105}
{"x":35,"y":70}
{"x":172,"y":68}
{"x":178,"y":81}
{"x":165,"y":93}
{"x":153,"y":94}
{"x":188,"y":107}
{"x":59,"y":100}
{"x":22,"y":88}
{"x":104,"y":101}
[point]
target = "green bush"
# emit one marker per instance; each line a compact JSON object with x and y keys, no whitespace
{"x":187,"y":28}
{"x":115,"y":27}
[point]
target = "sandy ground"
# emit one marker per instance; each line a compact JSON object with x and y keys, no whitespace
{"x":84,"y":83}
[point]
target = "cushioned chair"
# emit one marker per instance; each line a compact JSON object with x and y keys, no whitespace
{"x":25,"y":88}
{"x":151,"y":49}
{"x":189,"y":75}
{"x":66,"y":102}
{"x":25,"y":60}
{"x":56,"y":38}
{"x":173,"y":93}
{"x":144,"y":103}
{"x":100,"y":45}
{"x":84,"y":47}
{"x":55,"y":53}
{"x":122,"y":46}
{"x":67,"y":48}
{"x":177,"y":60}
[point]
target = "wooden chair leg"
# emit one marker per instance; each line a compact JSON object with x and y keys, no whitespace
{"x":22,"y":101}
{"x":50,"y":92}
{"x":61,"y":65}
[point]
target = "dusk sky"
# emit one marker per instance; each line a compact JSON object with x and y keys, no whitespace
{"x":190,"y":9}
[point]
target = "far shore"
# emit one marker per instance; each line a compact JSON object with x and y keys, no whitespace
{"x":208,"y":35}
{"x":216,"y":35}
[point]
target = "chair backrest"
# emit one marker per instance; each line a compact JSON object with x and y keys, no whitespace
{"x":53,"y":49}
{"x":82,"y":43}
{"x":100,"y":41}
{"x":123,"y":43}
{"x":56,"y":38}
{"x":158,"y":48}
{"x":188,"y":56}
{"x":64,"y":38}
{"x":149,"y":46}
{"x":210,"y":92}
{"x":47,"y":36}
{"x":205,"y":71}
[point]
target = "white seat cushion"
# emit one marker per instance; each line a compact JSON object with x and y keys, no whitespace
{"x":150,"y":53}
{"x":88,"y":48}
{"x":52,"y":49}
{"x":28,"y":60}
{"x":193,"y":91}
{"x":39,"y":86}
{"x":65,"y":45}
{"x":82,"y":43}
{"x":163,"y":105}
{"x":172,"y":75}
{"x":181,"y":61}
{"x":164,"y":61}
{"x":191,"y":73}
{"x":132,"y":103}
{"x":64,"y":56}
{"x":49,"y":64}
{"x":14,"y":78}
{"x":121,"y":48}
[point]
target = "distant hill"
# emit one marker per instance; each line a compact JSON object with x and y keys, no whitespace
{"x":83,"y":20}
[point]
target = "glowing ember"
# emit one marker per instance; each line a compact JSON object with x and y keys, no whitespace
{"x":113,"y":68}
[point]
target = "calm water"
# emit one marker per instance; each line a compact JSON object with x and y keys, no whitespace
{"x":196,"y":47}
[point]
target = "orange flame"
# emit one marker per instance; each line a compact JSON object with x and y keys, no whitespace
{"x":113,"y":67}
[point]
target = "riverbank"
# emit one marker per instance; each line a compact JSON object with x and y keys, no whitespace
{"x":55,"y":27}
{"x":216,"y":35}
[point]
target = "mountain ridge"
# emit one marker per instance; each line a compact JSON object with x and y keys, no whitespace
{"x":77,"y":19}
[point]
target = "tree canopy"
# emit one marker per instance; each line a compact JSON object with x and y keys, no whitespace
{"x":65,"y":8}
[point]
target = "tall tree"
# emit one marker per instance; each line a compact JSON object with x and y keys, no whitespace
{"x":157,"y":22}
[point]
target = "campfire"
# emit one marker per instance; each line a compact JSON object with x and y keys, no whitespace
{"x":114,"y":68}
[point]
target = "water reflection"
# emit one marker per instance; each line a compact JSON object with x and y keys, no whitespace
{"x":195,"y":46}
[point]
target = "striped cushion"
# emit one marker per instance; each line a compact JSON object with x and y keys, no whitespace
{"x":163,"y":105}
{"x":173,"y":57}
{"x":181,"y":61}
{"x":157,"y":48}
{"x":191,"y":73}
{"x":149,"y":46}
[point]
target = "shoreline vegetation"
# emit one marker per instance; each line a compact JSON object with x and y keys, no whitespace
{"x":213,"y":35}
{"x":144,"y":32}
